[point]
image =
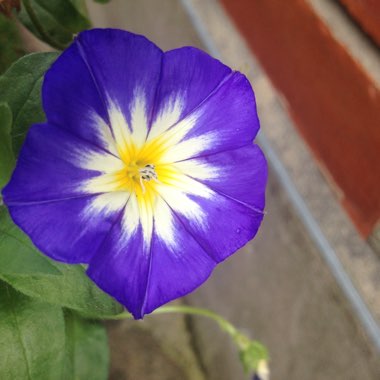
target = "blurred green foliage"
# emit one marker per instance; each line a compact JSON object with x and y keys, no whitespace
{"x":53,"y":21}
{"x":21,"y":90}
{"x":49,"y":311}
{"x":10,"y":43}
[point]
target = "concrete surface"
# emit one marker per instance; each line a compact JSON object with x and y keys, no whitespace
{"x":279,"y":289}
{"x":158,"y":348}
{"x":164,"y":22}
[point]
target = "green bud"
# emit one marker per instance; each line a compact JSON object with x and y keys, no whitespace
{"x":254,"y":357}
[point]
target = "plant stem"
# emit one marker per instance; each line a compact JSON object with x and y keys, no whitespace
{"x":184,"y":309}
{"x":253,"y":355}
{"x":45,"y":36}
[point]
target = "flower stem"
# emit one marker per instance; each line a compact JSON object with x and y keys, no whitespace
{"x":184,"y":309}
{"x":253,"y":354}
{"x":43,"y":33}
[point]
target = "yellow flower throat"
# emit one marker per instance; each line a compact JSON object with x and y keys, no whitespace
{"x":144,"y":169}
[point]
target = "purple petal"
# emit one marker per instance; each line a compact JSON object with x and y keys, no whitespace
{"x":178,"y":266}
{"x":190,"y":75}
{"x":53,"y":165}
{"x":70,"y":97}
{"x":240,"y":174}
{"x":102,"y":65}
{"x":48,"y":199}
{"x":226,"y":120}
{"x":121,"y":266}
{"x":123,"y":65}
{"x":144,"y":277}
{"x":68,"y":230}
{"x":229,"y":115}
{"x":220,"y":224}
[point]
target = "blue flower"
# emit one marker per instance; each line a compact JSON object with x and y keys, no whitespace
{"x":145,"y":169}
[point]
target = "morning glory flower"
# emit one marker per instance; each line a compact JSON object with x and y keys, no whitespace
{"x":145,"y":169}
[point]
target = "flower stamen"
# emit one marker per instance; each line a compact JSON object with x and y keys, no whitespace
{"x":147,"y":173}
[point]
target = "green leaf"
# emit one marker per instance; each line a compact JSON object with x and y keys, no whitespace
{"x":11,"y":47}
{"x":17,"y":254}
{"x":32,"y":337}
{"x":65,"y":13}
{"x":23,"y":267}
{"x":60,"y":19}
{"x":87,"y":354}
{"x":80,"y":5}
{"x":21,"y":89}
{"x":102,"y":1}
{"x":7,"y":159}
{"x":73,"y":290}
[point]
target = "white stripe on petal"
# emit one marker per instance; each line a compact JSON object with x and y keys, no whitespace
{"x":101,"y":162}
{"x":175,"y":134}
{"x":168,"y":116}
{"x":103,"y":183}
{"x":199,"y":169}
{"x":139,"y":118}
{"x":105,"y":203}
{"x":146,"y":220}
{"x":186,"y":149}
{"x":183,"y":204}
{"x":138,"y":214}
{"x":120,"y":127}
{"x":184,"y":184}
{"x":131,"y":217}
{"x":103,"y":132}
{"x":164,"y":224}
